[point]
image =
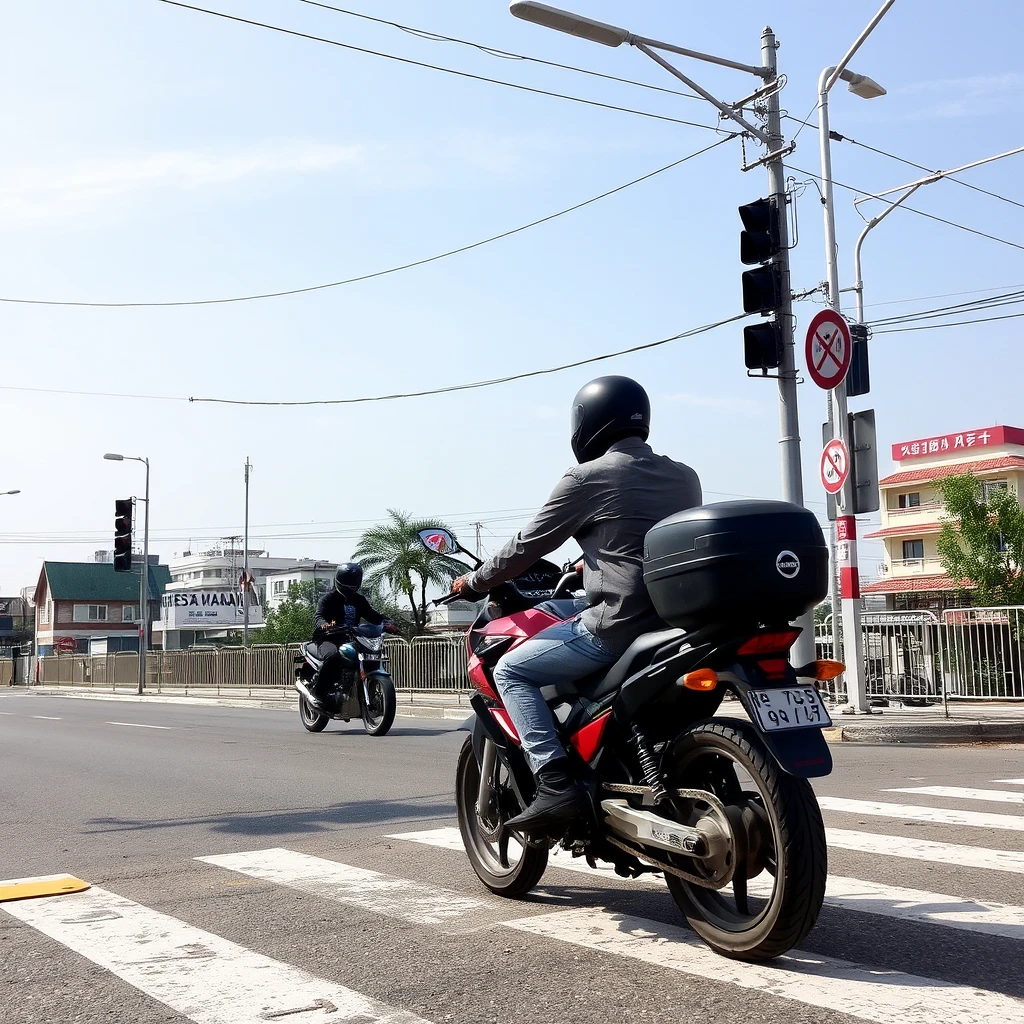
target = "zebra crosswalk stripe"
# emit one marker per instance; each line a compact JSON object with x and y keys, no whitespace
{"x":915,"y":905}
{"x":884,"y":997}
{"x":198,"y":974}
{"x":369,"y":890}
{"x":994,"y":796}
{"x":932,"y":815}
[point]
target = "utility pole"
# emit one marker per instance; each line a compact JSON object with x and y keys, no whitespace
{"x":789,"y":417}
{"x":245,"y":561}
{"x":479,"y":545}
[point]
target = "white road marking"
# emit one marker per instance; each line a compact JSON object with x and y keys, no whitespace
{"x":915,"y":905}
{"x":370,"y":890}
{"x":885,"y":997}
{"x":138,"y":725}
{"x":7,"y":713}
{"x":47,"y":718}
{"x":1010,"y":782}
{"x":995,"y":796}
{"x":198,"y":974}
{"x":933,"y":815}
{"x":924,"y":849}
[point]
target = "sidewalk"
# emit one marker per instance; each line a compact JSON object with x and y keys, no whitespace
{"x":980,"y":722}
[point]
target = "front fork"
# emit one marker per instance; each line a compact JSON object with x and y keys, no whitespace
{"x":485,"y":791}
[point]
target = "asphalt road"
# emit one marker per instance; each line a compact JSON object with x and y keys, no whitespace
{"x":343,"y":921}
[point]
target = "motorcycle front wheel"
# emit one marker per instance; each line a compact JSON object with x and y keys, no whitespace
{"x":504,"y":864}
{"x":778,"y":855}
{"x":379,"y":711}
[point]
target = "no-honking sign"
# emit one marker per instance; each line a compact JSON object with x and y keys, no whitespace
{"x":828,"y":349}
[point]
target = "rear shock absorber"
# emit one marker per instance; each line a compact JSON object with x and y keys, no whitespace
{"x":649,"y":766}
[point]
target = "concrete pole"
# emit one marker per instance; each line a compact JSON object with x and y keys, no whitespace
{"x":144,"y":593}
{"x":245,"y":562}
{"x":846,"y":521}
{"x":789,"y":419}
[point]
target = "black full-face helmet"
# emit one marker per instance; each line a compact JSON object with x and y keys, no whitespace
{"x":605,"y":411}
{"x":349,"y":578}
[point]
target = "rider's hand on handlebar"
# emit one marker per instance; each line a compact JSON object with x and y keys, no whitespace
{"x":458,"y":585}
{"x":578,"y":567}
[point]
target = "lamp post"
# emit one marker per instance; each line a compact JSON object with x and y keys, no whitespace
{"x":845,"y":547}
{"x":776,"y":150}
{"x":144,"y":575}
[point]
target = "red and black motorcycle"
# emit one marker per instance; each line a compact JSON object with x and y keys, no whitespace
{"x":720,"y":805}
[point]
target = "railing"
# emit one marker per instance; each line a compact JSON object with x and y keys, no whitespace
{"x":985,"y":652}
{"x":428,"y":663}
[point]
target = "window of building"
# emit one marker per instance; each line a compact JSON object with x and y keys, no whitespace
{"x":129,"y":613}
{"x":911,"y":500}
{"x":279,"y":587}
{"x":913,"y":549}
{"x":990,"y":488}
{"x":44,"y":612}
{"x":90,"y":613}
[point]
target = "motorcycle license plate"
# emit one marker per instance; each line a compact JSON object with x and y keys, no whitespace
{"x":793,"y":707}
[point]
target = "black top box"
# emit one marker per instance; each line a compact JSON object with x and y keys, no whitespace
{"x":736,"y":562}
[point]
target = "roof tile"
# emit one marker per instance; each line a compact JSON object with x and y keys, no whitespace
{"x":937,"y":472}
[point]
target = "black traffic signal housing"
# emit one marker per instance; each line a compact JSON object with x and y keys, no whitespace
{"x":762,"y":346}
{"x":760,"y":243}
{"x":858,"y":378}
{"x":760,"y":239}
{"x":123,"y":535}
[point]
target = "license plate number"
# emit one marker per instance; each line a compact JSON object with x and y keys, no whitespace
{"x":795,"y":707}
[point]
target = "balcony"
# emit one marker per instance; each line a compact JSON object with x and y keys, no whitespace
{"x":914,"y":567}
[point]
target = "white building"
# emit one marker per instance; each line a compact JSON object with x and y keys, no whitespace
{"x":302,"y":571}
{"x":203,"y":602}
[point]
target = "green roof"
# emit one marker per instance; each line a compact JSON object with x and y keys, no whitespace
{"x":97,"y":581}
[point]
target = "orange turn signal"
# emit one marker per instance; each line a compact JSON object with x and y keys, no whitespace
{"x":701,"y":679}
{"x":823,"y":670}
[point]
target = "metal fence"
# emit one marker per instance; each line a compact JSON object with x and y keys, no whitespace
{"x":920,"y":658}
{"x":428,"y":663}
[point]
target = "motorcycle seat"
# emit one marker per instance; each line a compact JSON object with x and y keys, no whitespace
{"x":606,"y":680}
{"x":310,"y":649}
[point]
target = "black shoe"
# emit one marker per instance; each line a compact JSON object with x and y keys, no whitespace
{"x":559,"y":800}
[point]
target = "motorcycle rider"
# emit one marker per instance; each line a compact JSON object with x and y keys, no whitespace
{"x":343,"y":605}
{"x":608,"y":502}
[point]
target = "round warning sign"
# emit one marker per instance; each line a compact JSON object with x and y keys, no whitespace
{"x":835,"y":466}
{"x":828,"y":349}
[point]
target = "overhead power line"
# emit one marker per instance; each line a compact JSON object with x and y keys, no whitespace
{"x":437,"y":67}
{"x":495,"y":52}
{"x":955,"y":323}
{"x":377,"y":273}
{"x":911,"y":209}
{"x":916,"y":321}
{"x":480,"y":383}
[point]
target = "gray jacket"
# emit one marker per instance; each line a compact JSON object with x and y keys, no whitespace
{"x":608,"y":505}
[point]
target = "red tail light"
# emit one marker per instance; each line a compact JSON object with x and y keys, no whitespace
{"x":776,"y":642}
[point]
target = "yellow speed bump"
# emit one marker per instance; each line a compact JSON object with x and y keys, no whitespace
{"x":44,"y":885}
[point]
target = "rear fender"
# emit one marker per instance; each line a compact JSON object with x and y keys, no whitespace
{"x":800,"y":752}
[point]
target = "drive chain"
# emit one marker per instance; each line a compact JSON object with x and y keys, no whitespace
{"x":687,"y":794}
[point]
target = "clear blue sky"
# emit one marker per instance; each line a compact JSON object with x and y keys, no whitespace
{"x":155,"y":153}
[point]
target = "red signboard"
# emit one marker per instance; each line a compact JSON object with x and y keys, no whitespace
{"x":957,"y":444}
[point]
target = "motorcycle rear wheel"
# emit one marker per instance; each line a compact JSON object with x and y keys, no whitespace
{"x":489,"y":845}
{"x":783,"y":842}
{"x":312,"y":720}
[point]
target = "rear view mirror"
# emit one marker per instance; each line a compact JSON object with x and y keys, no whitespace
{"x":441,"y":542}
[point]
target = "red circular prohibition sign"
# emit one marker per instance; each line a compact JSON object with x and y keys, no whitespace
{"x":828,"y":349}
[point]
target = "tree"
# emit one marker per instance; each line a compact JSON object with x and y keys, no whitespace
{"x":982,"y":540}
{"x":291,"y":622}
{"x":396,"y":562}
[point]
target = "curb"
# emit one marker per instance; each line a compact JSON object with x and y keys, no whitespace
{"x":940,"y":733}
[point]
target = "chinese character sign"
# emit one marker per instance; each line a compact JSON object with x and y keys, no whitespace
{"x":961,"y":442}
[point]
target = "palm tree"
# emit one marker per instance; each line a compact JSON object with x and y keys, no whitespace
{"x":394,"y":560}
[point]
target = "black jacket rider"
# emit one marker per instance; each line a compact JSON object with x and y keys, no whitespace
{"x":342,"y":610}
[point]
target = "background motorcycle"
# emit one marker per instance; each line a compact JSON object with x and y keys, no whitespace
{"x":371,"y":691}
{"x":721,"y":806}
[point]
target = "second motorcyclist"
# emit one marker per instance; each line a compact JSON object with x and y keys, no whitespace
{"x":343,"y":605}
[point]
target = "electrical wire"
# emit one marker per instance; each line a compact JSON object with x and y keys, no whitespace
{"x":837,"y":137}
{"x":955,"y":323}
{"x":437,"y":67}
{"x":378,"y":273}
{"x":693,"y":332}
{"x":911,"y":209}
{"x":975,"y":305}
{"x":495,"y":52}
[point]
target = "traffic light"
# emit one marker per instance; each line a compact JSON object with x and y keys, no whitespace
{"x":760,"y":239}
{"x":858,"y":378}
{"x":760,"y":242}
{"x":123,"y":535}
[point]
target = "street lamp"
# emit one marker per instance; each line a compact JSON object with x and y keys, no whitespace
{"x":9,"y":492}
{"x":845,"y":551}
{"x":144,"y":580}
{"x":771,"y":137}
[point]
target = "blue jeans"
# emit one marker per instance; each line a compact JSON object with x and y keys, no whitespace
{"x":567,"y":650}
